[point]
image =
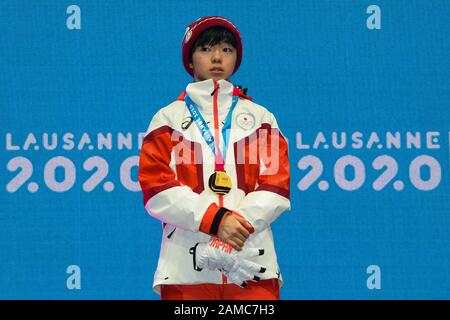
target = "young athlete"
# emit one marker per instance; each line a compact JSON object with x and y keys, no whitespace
{"x":214,"y":170}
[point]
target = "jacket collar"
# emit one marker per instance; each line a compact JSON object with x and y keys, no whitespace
{"x":201,"y":93}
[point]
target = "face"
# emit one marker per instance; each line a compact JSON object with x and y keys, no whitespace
{"x":214,"y":62}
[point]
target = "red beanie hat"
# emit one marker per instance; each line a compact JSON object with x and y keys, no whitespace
{"x":200,"y":25}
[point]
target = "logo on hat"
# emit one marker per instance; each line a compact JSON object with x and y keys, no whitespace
{"x":245,"y":120}
{"x":187,"y":35}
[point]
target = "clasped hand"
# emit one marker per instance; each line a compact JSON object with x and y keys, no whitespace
{"x":236,"y":265}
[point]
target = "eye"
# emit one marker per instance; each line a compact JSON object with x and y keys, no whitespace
{"x":227,"y":49}
{"x":205,"y":49}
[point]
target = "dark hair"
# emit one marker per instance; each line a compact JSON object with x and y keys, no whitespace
{"x":213,"y":36}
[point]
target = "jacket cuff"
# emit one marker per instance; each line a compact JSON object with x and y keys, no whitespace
{"x":212,"y":218}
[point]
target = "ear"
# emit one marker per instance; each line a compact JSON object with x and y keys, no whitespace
{"x":191,"y":66}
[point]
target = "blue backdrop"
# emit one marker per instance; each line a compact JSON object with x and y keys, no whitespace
{"x":360,"y":89}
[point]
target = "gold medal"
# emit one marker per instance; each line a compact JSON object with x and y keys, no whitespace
{"x":220,"y":182}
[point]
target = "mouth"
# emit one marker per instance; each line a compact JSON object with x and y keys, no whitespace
{"x":216,"y":70}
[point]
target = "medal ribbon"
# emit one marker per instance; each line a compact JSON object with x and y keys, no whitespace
{"x":206,"y":132}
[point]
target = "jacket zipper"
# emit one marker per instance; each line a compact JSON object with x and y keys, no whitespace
{"x":216,"y":139}
{"x":216,"y":128}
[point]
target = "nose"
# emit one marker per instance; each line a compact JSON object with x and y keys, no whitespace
{"x":216,"y":56}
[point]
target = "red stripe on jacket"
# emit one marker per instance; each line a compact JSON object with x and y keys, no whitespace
{"x":260,"y":146}
{"x":156,"y":175}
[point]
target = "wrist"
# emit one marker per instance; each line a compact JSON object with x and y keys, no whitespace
{"x":212,"y":219}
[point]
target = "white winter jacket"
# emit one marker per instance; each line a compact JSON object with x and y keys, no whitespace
{"x":176,"y":163}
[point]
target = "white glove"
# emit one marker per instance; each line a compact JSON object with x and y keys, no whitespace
{"x":243,"y":269}
{"x":236,"y":265}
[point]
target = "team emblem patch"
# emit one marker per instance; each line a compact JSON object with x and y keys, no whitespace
{"x":245,"y":120}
